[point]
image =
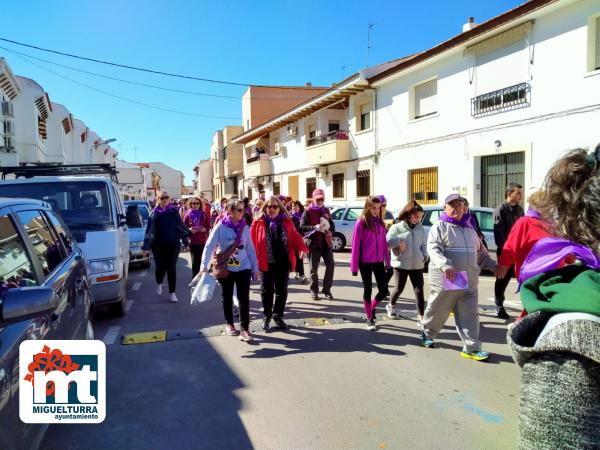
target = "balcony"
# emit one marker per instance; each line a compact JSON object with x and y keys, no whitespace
{"x":507,"y":99}
{"x":258,"y":166}
{"x":328,"y":148}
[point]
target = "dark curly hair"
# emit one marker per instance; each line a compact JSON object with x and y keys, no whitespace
{"x":570,"y":197}
{"x":409,"y":209}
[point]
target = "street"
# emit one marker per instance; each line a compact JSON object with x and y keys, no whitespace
{"x":326,"y":382}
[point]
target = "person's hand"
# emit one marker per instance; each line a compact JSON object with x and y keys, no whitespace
{"x":501,"y":271}
{"x":257,"y":276}
{"x":302,"y":255}
{"x":402,"y":246}
{"x":318,"y":227}
{"x":450,"y":273}
{"x":494,"y":270}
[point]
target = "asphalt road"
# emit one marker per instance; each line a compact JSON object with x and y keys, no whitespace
{"x":326,"y":382}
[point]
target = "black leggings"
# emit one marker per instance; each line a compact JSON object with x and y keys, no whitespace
{"x":299,"y":265}
{"x":165,"y":259}
{"x":196,"y":252}
{"x":367,"y":270}
{"x":416,"y":278}
{"x":241,"y":280}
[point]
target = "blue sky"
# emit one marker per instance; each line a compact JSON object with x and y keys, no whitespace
{"x":259,"y":42}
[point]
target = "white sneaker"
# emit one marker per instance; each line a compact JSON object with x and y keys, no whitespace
{"x":391,"y":311}
{"x":158,"y":289}
{"x":173,"y":298}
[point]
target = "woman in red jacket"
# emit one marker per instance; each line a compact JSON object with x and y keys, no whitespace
{"x":276,"y":241}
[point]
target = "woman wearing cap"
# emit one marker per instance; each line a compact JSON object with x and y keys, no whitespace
{"x":164,"y":231}
{"x":277,"y":242}
{"x":241,"y":265}
{"x":454,"y":250}
{"x":198,"y":222}
{"x":370,"y":256}
{"x":316,"y":224}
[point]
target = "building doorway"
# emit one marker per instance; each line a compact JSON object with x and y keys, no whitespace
{"x":293,"y":187}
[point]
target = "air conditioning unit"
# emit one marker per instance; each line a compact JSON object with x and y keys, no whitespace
{"x":292,"y":130}
{"x":7,"y":109}
{"x":9,"y":127}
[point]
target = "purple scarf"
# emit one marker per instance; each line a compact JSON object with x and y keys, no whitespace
{"x":159,"y":210}
{"x":273,"y":222}
{"x":297,"y":216}
{"x":314,"y":207}
{"x":533,"y":213}
{"x":237,"y":227}
{"x":196,"y":215}
{"x":465,"y":222}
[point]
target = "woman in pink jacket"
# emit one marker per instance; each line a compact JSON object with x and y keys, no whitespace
{"x":370,"y":255}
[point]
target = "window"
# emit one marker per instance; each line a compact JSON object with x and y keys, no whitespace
{"x":334,"y":125}
{"x":431,"y":217}
{"x":312,"y":135}
{"x":276,"y":187}
{"x":337,"y":215}
{"x":311,"y":185}
{"x":276,"y":147}
{"x":235,"y":185}
{"x":42,"y":128}
{"x":65,"y":236}
{"x":425,"y":99}
{"x":338,"y":185}
{"x":83,"y":136}
{"x":365,"y":116}
{"x":424,"y":185}
{"x":594,"y":43}
{"x":66,"y":123}
{"x":353,"y":213}
{"x":485,"y":219}
{"x":16,"y":269}
{"x":363,"y":183}
{"x":46,"y":248}
{"x":224,"y":153}
{"x":249,"y":193}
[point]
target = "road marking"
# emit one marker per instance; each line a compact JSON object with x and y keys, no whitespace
{"x":128,"y":305}
{"x":111,"y":335}
{"x":137,"y":286}
{"x":144,"y":338}
{"x":143,"y":273}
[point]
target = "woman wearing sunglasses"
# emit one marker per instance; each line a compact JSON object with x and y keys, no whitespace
{"x":232,"y":230}
{"x":276,"y":241}
{"x":164,"y":231}
{"x":198,"y":222}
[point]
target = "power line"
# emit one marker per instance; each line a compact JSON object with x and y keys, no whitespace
{"x":141,"y":69}
{"x":128,"y":99}
{"x":152,"y":86}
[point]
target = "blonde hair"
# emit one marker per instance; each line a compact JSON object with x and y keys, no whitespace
{"x":272,"y":200}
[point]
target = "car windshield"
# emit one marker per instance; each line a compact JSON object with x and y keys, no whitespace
{"x":84,"y":205}
{"x":142,"y":209}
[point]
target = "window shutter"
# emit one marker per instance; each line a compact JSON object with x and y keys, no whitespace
{"x":426,"y":98}
{"x":597,"y":66}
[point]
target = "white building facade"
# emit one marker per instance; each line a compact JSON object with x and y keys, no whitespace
{"x":171,"y":180}
{"x":9,"y":90}
{"x":203,"y":172}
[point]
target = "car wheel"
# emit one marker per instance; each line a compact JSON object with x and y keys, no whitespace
{"x":339,"y":242}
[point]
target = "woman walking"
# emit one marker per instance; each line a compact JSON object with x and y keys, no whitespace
{"x":408,"y":243}
{"x":277,"y":243}
{"x":231,"y":235}
{"x":297,"y":211}
{"x":198,"y":222}
{"x":164,"y":232}
{"x":370,"y":256}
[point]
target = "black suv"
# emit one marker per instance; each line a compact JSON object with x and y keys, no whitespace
{"x":44,"y":294}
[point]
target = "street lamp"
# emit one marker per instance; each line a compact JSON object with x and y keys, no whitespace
{"x":98,"y":144}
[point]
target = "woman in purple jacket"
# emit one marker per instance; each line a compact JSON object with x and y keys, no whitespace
{"x":370,"y":256}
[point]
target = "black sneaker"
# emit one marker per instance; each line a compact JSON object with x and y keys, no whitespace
{"x":315,"y":296}
{"x":328,"y":295}
{"x":266,"y":322}
{"x":279,"y":322}
{"x":501,"y":313}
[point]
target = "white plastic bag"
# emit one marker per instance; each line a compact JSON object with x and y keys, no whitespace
{"x":205,"y":289}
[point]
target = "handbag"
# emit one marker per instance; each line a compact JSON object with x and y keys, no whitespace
{"x":219,"y":260}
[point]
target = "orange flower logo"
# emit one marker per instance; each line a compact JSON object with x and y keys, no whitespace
{"x":47,"y":361}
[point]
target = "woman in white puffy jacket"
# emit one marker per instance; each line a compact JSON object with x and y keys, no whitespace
{"x":408,"y":241}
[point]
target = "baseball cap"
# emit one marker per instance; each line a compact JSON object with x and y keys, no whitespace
{"x":453,"y":196}
{"x":381,"y":198}
{"x":318,"y":193}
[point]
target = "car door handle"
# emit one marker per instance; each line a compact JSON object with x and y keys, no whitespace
{"x":344,"y":223}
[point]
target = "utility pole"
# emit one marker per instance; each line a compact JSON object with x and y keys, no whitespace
{"x":369,"y":28}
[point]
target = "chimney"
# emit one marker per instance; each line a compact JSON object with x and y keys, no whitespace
{"x":470,"y":24}
{"x":308,"y":84}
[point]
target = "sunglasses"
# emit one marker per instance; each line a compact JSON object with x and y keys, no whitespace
{"x":272,"y":206}
{"x":319,"y":200}
{"x":236,"y":209}
{"x":164,"y":197}
{"x":195,"y":203}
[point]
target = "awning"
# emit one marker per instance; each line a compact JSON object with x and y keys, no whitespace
{"x":254,"y":142}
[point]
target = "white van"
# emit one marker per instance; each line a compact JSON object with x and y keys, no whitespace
{"x":94,"y":213}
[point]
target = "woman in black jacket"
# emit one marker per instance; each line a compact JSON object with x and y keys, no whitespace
{"x":164,"y":232}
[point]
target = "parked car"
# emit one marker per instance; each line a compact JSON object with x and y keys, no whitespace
{"x":344,"y":219}
{"x":93,"y":211}
{"x":484,"y":215}
{"x":44,"y":294}
{"x":137,"y":213}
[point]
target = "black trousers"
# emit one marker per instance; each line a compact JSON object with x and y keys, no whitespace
{"x":165,"y":260}
{"x":196,"y":252}
{"x":416,"y":278}
{"x":314,"y":257}
{"x":367,"y":270}
{"x":274,"y":283}
{"x":241,"y":280}
{"x":299,"y":265}
{"x":501,"y":284}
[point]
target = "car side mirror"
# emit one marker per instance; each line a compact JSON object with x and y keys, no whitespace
{"x":26,"y":303}
{"x":122,"y":220}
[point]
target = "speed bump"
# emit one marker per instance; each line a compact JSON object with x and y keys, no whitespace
{"x":315,"y":322}
{"x":144,"y":338}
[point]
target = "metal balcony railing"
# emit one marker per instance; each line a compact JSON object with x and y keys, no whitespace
{"x":509,"y":98}
{"x":336,"y":135}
